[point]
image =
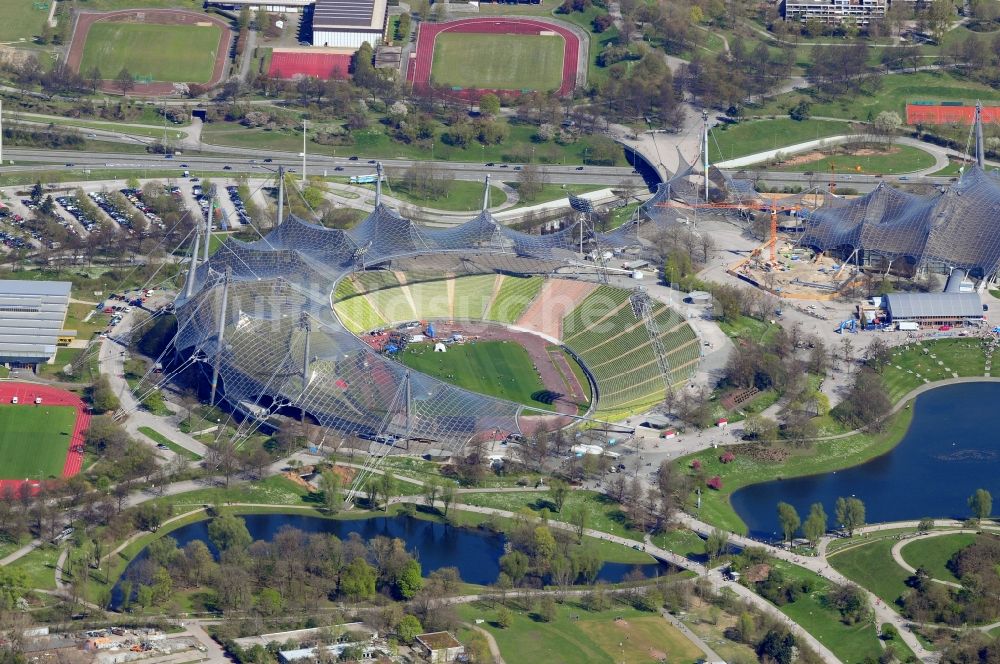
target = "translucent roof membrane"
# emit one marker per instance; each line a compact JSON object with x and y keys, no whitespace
{"x":281,"y":285}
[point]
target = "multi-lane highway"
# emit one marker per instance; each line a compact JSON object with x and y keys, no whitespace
{"x":256,"y":161}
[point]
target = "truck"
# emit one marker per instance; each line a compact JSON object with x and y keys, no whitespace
{"x":907,"y":326}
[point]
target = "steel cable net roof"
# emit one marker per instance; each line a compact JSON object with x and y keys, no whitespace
{"x":959,"y":228}
{"x":282,"y":284}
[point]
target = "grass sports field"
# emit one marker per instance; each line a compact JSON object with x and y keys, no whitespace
{"x":21,"y":19}
{"x":34,"y":440}
{"x":616,"y":635}
{"x":505,"y":62}
{"x":497,"y":368}
{"x":183,"y":54}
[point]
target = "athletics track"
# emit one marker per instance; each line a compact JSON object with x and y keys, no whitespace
{"x":419,"y":69}
{"x":26,"y":393}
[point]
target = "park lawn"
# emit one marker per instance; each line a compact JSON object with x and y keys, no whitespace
{"x":75,"y":314}
{"x":183,"y":54}
{"x":39,"y":567}
{"x":850,"y":643}
{"x":951,"y":169}
{"x":934,"y":553}
{"x":895,"y":159}
{"x":374,"y":143}
{"x":147,"y":131}
{"x":752,"y":328}
{"x":871,"y":566}
{"x":618,"y":634}
{"x":64,"y":356}
{"x":596,"y":74}
{"x":462,"y":196}
{"x":160,"y":439}
{"x":682,"y":542}
{"x":498,"y":61}
{"x":822,"y":457}
{"x":499,"y":369}
{"x":915,"y":364}
{"x":603,"y":513}
{"x":34,"y":440}
{"x":753,"y":136}
{"x":22,"y":20}
{"x":895,"y":91}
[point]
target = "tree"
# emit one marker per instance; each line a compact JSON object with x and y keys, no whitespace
{"x":409,"y":580}
{"x":357,"y":580}
{"x":504,"y":617}
{"x":94,"y":78}
{"x":387,"y":487}
{"x":243,"y":20}
{"x":981,"y":504}
{"x":447,"y":497}
{"x":887,"y":123}
{"x":716,"y":544}
{"x":925,"y":524}
{"x":558,"y":491}
{"x":789,"y":519}
{"x":408,"y":628}
{"x":432,"y":488}
{"x":878,"y":354}
{"x":547,"y":609}
{"x":530,"y":183}
{"x":126,"y":82}
{"x":229,"y":533}
{"x":489,"y":105}
{"x":850,"y":513}
{"x":514,"y":565}
{"x":331,"y":491}
{"x":102,"y":397}
{"x":815,"y":525}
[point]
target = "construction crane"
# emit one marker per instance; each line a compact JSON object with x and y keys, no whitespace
{"x":773,"y":206}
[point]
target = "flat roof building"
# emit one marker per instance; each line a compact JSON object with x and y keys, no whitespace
{"x":834,"y":11}
{"x":32,"y":317}
{"x":934,"y":309}
{"x":440,"y":647}
{"x":348,"y":23}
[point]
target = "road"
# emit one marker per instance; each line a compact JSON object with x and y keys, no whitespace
{"x":252,"y":161}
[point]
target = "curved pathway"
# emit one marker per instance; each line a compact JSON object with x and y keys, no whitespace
{"x":897,"y":551}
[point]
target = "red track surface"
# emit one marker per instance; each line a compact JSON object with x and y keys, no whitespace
{"x":321,"y":65}
{"x":419,"y":70}
{"x":26,"y":393}
{"x":165,"y":16}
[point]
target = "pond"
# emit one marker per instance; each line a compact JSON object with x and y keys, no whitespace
{"x":949,"y":451}
{"x":475,"y":553}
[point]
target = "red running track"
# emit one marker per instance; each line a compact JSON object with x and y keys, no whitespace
{"x":321,"y":65}
{"x":419,"y":70}
{"x":26,"y":393}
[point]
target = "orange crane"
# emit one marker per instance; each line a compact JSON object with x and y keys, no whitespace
{"x":774,"y":206}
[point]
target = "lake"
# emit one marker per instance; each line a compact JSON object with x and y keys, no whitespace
{"x":950,"y":450}
{"x":475,"y":553}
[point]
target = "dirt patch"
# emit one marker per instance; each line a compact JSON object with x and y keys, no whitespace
{"x":818,"y":155}
{"x":84,"y":20}
{"x":621,"y":622}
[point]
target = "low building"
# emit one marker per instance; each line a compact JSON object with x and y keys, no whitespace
{"x":32,"y":318}
{"x":861,"y":12}
{"x":931,"y":310}
{"x":348,"y":23}
{"x":440,"y":647}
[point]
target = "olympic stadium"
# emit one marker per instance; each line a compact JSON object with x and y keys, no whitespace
{"x":285,"y":322}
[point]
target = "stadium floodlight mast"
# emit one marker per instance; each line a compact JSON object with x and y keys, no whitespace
{"x":304,"y":121}
{"x":704,"y":138}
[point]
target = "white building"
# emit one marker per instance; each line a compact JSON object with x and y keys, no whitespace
{"x":348,"y":23}
{"x":32,"y":317}
{"x":835,"y":11}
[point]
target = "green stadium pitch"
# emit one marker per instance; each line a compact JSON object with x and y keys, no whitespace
{"x":498,"y":61}
{"x":152,"y":51}
{"x":501,"y":369}
{"x":34,"y":441}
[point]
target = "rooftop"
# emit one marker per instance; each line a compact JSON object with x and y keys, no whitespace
{"x":25,"y":287}
{"x":439,"y":640}
{"x":32,"y":314}
{"x":333,"y":14}
{"x":930,"y":305}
